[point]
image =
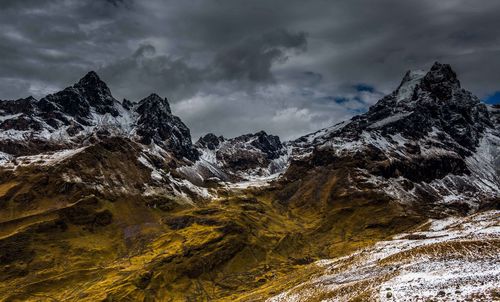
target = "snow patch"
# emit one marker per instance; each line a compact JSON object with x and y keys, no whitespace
{"x":42,"y":159}
{"x":406,"y":89}
{"x":389,"y":120}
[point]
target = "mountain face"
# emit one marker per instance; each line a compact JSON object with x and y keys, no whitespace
{"x":421,"y":103}
{"x":102,"y":200}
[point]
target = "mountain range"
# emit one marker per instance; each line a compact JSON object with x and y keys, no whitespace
{"x":107,"y":200}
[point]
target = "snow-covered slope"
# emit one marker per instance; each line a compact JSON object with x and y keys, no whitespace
{"x":454,"y":259}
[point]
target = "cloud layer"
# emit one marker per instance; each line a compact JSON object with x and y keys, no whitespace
{"x":235,"y":66}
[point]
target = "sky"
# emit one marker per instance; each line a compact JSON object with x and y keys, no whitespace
{"x":230,"y":67}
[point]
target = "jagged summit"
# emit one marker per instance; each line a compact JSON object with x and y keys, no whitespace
{"x":82,"y":99}
{"x":442,"y":73}
{"x":410,"y":80}
{"x":268,"y":144}
{"x":157,"y":124}
{"x":90,"y":79}
{"x":441,"y":81}
{"x":94,"y":88}
{"x":242,"y":157}
{"x":422,"y":103}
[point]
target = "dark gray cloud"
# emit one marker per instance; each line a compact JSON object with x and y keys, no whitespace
{"x":233,"y":66}
{"x":246,"y":64}
{"x":253,"y":58}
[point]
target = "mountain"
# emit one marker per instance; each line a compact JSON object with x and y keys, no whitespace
{"x":428,"y":140}
{"x":111,"y":201}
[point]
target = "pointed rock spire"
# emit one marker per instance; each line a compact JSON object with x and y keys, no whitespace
{"x":90,"y":76}
{"x":93,"y":84}
{"x":442,"y":74}
{"x":77,"y":100}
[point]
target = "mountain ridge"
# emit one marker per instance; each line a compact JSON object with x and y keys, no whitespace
{"x":424,"y":105}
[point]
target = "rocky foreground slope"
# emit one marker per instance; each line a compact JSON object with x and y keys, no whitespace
{"x":110,"y":200}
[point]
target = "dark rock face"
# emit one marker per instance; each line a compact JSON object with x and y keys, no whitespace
{"x":20,"y":106}
{"x":21,"y":123}
{"x":153,"y":105}
{"x":20,"y":114}
{"x":423,"y":169}
{"x":157,"y":124}
{"x":127,"y":104}
{"x":441,"y":81}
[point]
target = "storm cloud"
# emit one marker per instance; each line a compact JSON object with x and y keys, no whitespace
{"x":233,"y":66}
